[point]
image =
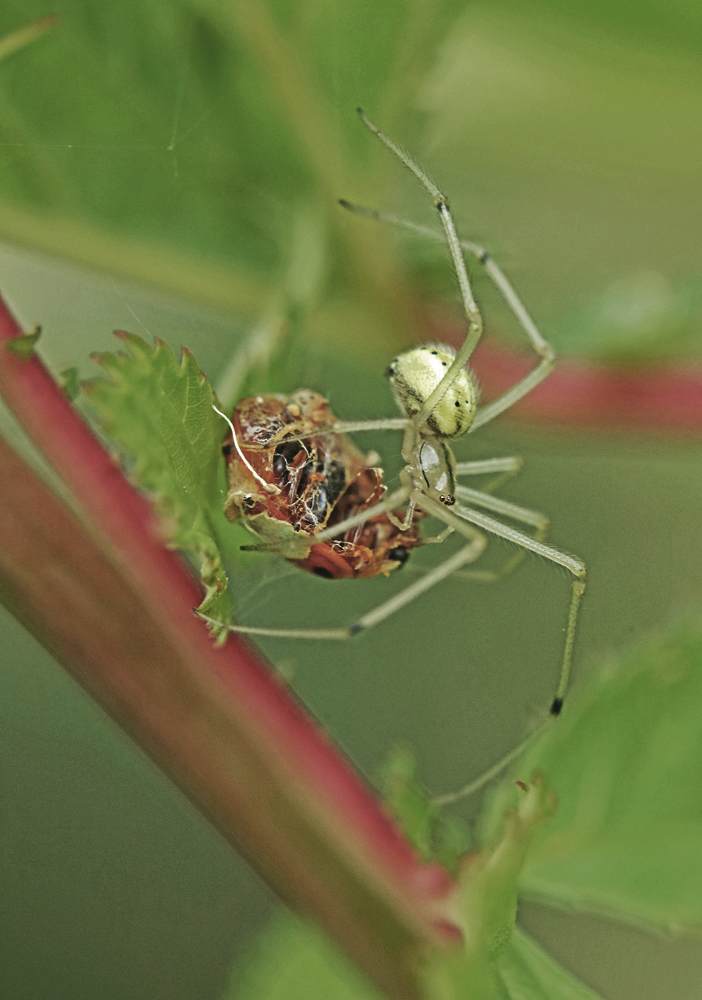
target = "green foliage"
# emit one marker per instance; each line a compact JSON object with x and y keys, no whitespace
{"x":186,"y":137}
{"x":641,"y":319}
{"x":16,"y":40}
{"x":179,"y":142}
{"x":159,"y":414}
{"x":296,"y":961}
{"x":24,"y":346}
{"x":436,"y":834}
{"x":69,"y":380}
{"x":486,"y":904}
{"x":625,"y":761}
{"x":528,"y":973}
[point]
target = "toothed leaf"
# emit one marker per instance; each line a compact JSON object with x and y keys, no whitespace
{"x":158,"y":413}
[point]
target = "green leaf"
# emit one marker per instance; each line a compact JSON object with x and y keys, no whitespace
{"x":486,"y":904}
{"x":159,"y":414}
{"x":24,"y":346}
{"x":140,"y":171}
{"x":69,"y":380}
{"x":528,"y":973}
{"x":640,"y":319}
{"x":435,"y":834}
{"x":296,"y":961}
{"x":16,"y":40}
{"x":625,"y":760}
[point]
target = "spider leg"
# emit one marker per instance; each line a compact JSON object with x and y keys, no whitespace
{"x":354,"y":426}
{"x":475,"y":321}
{"x":512,"y":463}
{"x":540,"y":346}
{"x":523,"y":514}
{"x":437,"y":539}
{"x":385,"y":506}
{"x":383,"y":424}
{"x":492,"y":772}
{"x":500,"y":506}
{"x":459,"y":513}
{"x":469,"y":553}
{"x":500,"y":280}
{"x":403,"y":525}
{"x":504,"y":467}
{"x":282,"y":633}
{"x":538,"y":521}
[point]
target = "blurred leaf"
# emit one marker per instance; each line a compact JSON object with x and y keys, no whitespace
{"x":180,"y":138}
{"x":296,"y":961}
{"x":69,"y":380}
{"x":625,"y":760}
{"x":160,"y":415}
{"x":566,"y":136}
{"x":486,"y":903}
{"x":175,"y":143}
{"x":528,"y":973}
{"x":16,"y":40}
{"x":24,"y":346}
{"x":640,"y":319}
{"x":436,"y":834}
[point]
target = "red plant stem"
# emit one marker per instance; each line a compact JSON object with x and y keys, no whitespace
{"x":585,"y":395}
{"x":114,"y":605}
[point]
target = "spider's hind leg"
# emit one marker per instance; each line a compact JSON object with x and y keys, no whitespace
{"x":459,"y":513}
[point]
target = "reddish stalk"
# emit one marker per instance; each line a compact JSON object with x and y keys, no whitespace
{"x":585,"y":395}
{"x":98,"y":588}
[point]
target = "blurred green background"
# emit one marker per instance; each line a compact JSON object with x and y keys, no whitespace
{"x":172,"y":169}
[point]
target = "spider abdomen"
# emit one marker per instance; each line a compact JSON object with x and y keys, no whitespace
{"x":415,"y":374}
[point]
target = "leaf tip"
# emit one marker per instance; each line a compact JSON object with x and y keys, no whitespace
{"x":69,"y":380}
{"x":23,"y":346}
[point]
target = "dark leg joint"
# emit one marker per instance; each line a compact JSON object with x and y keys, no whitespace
{"x":355,"y":628}
{"x":556,"y":707}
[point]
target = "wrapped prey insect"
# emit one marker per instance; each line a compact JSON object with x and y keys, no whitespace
{"x":290,"y":478}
